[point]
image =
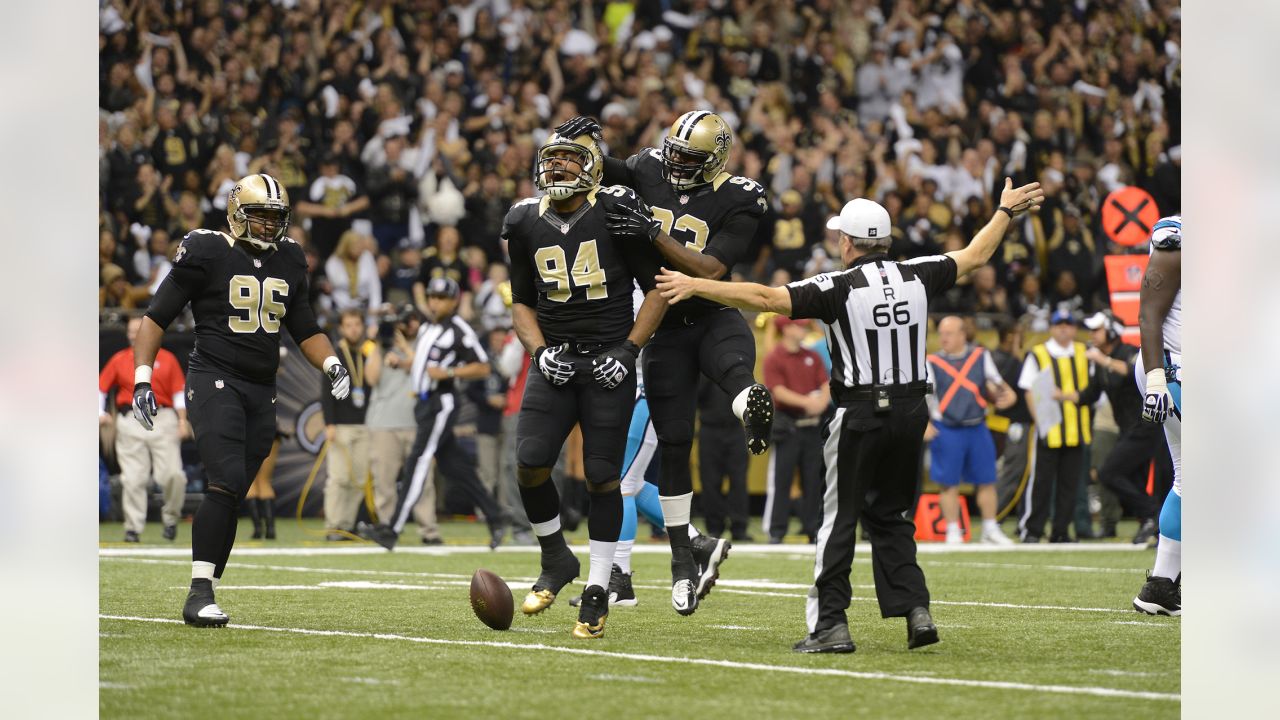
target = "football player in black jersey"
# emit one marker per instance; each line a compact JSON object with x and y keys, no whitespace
{"x":708,"y":219}
{"x":242,"y":286}
{"x":571,"y":288}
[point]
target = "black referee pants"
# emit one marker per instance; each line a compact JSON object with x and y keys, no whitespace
{"x":435,"y":441}
{"x":1056,"y":479}
{"x":722,"y":451}
{"x":873,"y":467}
{"x":1125,"y":470}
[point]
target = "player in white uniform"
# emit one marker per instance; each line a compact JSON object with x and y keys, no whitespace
{"x":1160,"y":318}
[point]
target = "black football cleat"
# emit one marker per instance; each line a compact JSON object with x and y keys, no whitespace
{"x":684,"y":580}
{"x":131,"y":537}
{"x":384,"y":535}
{"x":920,"y":629}
{"x":1160,"y":596}
{"x":557,"y":571}
{"x":834,"y":639}
{"x":758,"y":418}
{"x":620,"y":590}
{"x":497,"y":532}
{"x":593,"y":612}
{"x":170,"y":532}
{"x":709,"y":553}
{"x":200,"y":609}
{"x":1146,"y":533}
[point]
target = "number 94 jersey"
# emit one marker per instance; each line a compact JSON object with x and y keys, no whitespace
{"x":239,"y":300}
{"x":577,"y":277}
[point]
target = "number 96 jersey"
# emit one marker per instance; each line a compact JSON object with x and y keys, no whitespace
{"x":239,"y":299}
{"x":576,"y":275}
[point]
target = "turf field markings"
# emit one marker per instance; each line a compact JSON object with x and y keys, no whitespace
{"x":1123,"y":673}
{"x":108,"y":685}
{"x":734,"y":627}
{"x":369,"y":681}
{"x":638,"y":657}
{"x":623,"y":678}
{"x":1143,"y":622}
{"x":1027,"y":566}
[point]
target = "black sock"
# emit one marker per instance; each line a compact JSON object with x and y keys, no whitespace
{"x":214,"y":520}
{"x":201,"y":586}
{"x":552,"y":543}
{"x":541,"y":503}
{"x":604,"y":519}
{"x":678,"y":535}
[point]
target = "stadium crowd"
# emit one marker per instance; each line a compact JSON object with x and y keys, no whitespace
{"x":403,"y":131}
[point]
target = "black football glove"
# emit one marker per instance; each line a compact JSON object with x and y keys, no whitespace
{"x":580,"y":125}
{"x":626,"y":220}
{"x":144,"y":405}
{"x":339,"y":380}
{"x":613,"y":366}
{"x":555,"y":370}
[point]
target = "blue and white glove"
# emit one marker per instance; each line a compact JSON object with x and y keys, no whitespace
{"x":613,"y":366}
{"x":339,"y":378}
{"x":1157,"y":401}
{"x":555,"y":370}
{"x":144,"y":405}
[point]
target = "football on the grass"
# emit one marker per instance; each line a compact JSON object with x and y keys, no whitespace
{"x":491,"y":600}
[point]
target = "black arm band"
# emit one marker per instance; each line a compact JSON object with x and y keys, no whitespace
{"x":1006,"y":211}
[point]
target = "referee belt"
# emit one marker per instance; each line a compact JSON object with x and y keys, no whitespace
{"x":862,"y":393}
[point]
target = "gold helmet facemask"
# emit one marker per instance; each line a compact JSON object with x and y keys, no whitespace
{"x":696,"y":149}
{"x":258,"y":201}
{"x":553,"y":176}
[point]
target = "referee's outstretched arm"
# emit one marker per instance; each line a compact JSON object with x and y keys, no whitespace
{"x":1013,"y":201}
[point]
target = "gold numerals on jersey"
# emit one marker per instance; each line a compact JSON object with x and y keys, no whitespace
{"x":586,"y":271}
{"x":261,"y":302}
{"x":687,"y":223}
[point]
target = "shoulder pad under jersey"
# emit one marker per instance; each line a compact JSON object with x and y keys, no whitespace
{"x":742,"y":191}
{"x":200,"y":246}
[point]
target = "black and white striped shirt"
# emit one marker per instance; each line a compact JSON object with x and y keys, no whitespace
{"x":451,"y":343}
{"x":876,"y":316}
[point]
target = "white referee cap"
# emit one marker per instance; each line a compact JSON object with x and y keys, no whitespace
{"x":861,"y":218}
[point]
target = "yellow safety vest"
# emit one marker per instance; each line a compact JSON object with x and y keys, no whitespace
{"x":1070,"y":374}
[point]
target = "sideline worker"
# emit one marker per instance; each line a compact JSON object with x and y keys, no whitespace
{"x":876,"y":315}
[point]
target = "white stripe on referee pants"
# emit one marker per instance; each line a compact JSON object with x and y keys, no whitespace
{"x":830,"y":504}
{"x":423,"y":465}
{"x":1032,"y":443}
{"x":766,"y":521}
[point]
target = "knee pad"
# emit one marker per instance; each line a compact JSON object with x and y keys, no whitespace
{"x":535,"y":452}
{"x":603,"y":488}
{"x":1171,"y":516}
{"x":223,"y":496}
{"x":531,"y":477}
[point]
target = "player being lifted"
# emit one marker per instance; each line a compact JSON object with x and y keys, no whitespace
{"x":571,"y":291}
{"x":708,"y":219}
{"x":1160,"y":318}
{"x":241,"y":287}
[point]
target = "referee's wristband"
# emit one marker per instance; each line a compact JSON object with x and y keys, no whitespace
{"x":1006,"y":211}
{"x":142,"y":374}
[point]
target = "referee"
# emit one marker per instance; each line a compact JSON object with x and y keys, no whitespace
{"x":876,"y":319}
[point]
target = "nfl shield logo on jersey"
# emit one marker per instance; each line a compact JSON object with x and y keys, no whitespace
{"x":257,"y":262}
{"x":219,"y":384}
{"x":684,"y":199}
{"x":564,"y":229}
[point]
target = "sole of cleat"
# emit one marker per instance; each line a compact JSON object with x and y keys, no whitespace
{"x":838,"y":648}
{"x":758,"y":419}
{"x":1153,"y":609}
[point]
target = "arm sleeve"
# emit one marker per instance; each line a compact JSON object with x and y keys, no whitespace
{"x":181,"y":285}
{"x":619,"y":172}
{"x":523,"y":288}
{"x":469,"y":349}
{"x":300,"y":318}
{"x":937,"y":272}
{"x":730,"y":245}
{"x":817,"y":297}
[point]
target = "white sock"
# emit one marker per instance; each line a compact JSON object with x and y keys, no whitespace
{"x":549,"y":527}
{"x":990,"y":527}
{"x":622,"y":557}
{"x":215,"y":583}
{"x":693,"y":531}
{"x":1168,"y":559}
{"x":675,"y":509}
{"x":201,"y":570}
{"x":602,"y":555}
{"x":954,"y":531}
{"x":740,"y":402}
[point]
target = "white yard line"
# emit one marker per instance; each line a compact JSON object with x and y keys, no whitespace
{"x":760,"y":667}
{"x":1028,"y":566}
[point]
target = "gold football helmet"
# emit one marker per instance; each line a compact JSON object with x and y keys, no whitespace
{"x":258,"y":211}
{"x":555,"y":174}
{"x":696,"y":149}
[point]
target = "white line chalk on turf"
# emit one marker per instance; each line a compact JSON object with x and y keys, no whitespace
{"x":734,"y":627}
{"x":1142,"y":622}
{"x":622,"y":678}
{"x":1027,"y":566}
{"x":638,"y":657}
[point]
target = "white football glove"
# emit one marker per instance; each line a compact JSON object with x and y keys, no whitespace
{"x":555,"y":370}
{"x":1157,"y":401}
{"x":339,"y":378}
{"x":612,"y":367}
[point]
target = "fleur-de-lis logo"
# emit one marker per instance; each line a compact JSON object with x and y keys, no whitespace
{"x":722,"y":140}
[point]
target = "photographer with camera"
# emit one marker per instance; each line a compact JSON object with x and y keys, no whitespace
{"x":390,"y":419}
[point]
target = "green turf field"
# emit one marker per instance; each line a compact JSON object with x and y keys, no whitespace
{"x":348,"y":630}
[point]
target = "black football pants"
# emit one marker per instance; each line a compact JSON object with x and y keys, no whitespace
{"x":872,"y":472}
{"x":1056,"y":479}
{"x":722,"y":451}
{"x":717,"y":344}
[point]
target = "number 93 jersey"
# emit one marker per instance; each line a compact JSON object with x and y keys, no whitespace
{"x":576,"y":275}
{"x":239,"y":300}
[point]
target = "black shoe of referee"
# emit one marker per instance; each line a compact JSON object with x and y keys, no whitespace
{"x":758,"y":418}
{"x":834,"y":639}
{"x":920,"y":629}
